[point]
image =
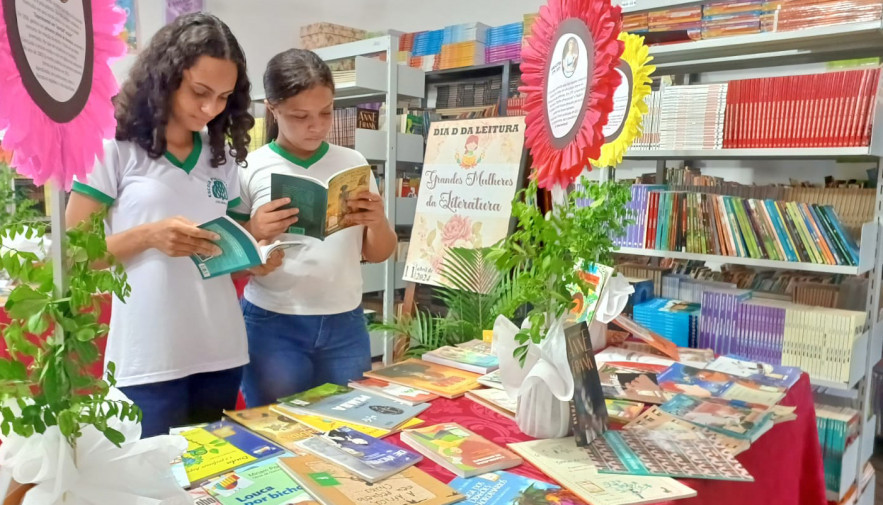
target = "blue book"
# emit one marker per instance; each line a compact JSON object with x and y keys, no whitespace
{"x":341,"y":403}
{"x":504,"y":488}
{"x":367,"y":457}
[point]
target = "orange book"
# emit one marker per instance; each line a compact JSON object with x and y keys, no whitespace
{"x":441,"y":380}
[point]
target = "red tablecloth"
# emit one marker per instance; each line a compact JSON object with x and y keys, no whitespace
{"x":786,"y":462}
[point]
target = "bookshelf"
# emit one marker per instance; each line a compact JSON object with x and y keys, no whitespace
{"x":382,"y":80}
{"x":504,"y":69}
{"x":824,"y":44}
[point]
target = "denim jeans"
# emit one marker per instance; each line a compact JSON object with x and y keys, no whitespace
{"x":289,"y":354}
{"x":198,"y":398}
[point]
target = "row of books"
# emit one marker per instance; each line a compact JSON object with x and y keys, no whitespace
{"x":818,"y":340}
{"x":504,"y":43}
{"x":837,"y":427}
{"x":704,"y":223}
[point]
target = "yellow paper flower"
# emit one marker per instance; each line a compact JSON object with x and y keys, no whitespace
{"x":635,"y":60}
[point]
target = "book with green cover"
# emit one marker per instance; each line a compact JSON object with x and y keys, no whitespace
{"x":349,"y":405}
{"x":264,"y":482}
{"x":322,"y":206}
{"x":239,"y":250}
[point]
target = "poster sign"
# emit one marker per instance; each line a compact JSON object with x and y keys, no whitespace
{"x":471,"y":172}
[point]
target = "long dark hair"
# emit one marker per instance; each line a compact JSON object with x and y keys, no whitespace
{"x":290,"y":72}
{"x":144,"y":104}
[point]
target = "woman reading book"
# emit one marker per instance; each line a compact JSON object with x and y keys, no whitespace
{"x":178,"y":341}
{"x":304,"y":321}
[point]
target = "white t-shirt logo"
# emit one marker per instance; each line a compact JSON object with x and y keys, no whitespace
{"x":217,"y":189}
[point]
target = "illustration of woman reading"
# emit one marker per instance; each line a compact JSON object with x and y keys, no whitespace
{"x":470,"y":158}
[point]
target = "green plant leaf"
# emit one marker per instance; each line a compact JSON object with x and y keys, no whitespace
{"x":24,"y":302}
{"x":114,"y":436}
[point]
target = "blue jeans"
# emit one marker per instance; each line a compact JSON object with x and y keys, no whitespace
{"x":289,"y":354}
{"x":198,"y":398}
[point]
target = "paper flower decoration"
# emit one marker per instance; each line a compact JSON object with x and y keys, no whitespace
{"x":569,"y":74}
{"x":625,"y":123}
{"x":49,"y":145}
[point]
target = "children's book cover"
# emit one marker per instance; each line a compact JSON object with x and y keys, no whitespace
{"x":504,"y":488}
{"x":367,"y":457}
{"x":635,"y":381}
{"x":276,"y":427}
{"x":720,"y":415}
{"x":495,"y":399}
{"x":333,"y":485}
{"x":220,"y":447}
{"x":387,"y":389}
{"x":320,"y":424}
{"x":441,"y":380}
{"x":481,"y":346}
{"x":349,"y":405}
{"x":707,"y":383}
{"x":623,"y":411}
{"x":779,"y":376}
{"x":264,"y":482}
{"x":664,"y":453}
{"x":459,"y":450}
{"x":585,"y":303}
{"x":464,"y":358}
{"x":655,"y":419}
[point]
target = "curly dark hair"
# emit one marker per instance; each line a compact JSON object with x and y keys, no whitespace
{"x":289,"y":73}
{"x":144,"y":103}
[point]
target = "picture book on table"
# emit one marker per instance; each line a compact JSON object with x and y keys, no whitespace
{"x":220,"y":447}
{"x":623,"y":411}
{"x":723,"y":416}
{"x":459,"y":450}
{"x":275,"y":427}
{"x":571,"y":467}
{"x":369,"y":458}
{"x":405,"y":394}
{"x":706,"y":383}
{"x":321,"y":424}
{"x":495,"y":399}
{"x":588,"y":412}
{"x":349,"y":405}
{"x":322,"y":206}
{"x":333,"y":485}
{"x":631,"y":381}
{"x":655,"y":419}
{"x":664,"y":453}
{"x":264,"y":482}
{"x":504,"y":488}
{"x":491,"y":380}
{"x":441,"y":380}
{"x":480,"y":346}
{"x":463,"y":358}
{"x":239,"y":250}
{"x":778,"y":376}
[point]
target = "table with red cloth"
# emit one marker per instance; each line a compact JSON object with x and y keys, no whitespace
{"x":786,"y":462}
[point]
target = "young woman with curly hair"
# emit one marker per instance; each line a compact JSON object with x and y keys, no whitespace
{"x":178,"y":342}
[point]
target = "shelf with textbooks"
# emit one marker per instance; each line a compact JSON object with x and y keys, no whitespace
{"x":478,"y":91}
{"x":373,"y":146}
{"x":857,"y":369}
{"x":795,"y":153}
{"x":849,"y":471}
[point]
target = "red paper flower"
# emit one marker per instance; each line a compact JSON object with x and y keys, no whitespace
{"x":562,"y":145}
{"x":43,"y":148}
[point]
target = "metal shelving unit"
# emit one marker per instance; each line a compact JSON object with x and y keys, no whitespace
{"x":779,"y":49}
{"x":505,"y":69}
{"x":382,"y":80}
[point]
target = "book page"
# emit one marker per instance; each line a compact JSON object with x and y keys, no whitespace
{"x":341,"y":187}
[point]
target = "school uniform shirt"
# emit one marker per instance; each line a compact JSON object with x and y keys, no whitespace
{"x":319,"y":277}
{"x":174,"y":323}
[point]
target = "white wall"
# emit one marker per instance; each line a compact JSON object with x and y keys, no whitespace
{"x":267,"y":27}
{"x":150,"y":18}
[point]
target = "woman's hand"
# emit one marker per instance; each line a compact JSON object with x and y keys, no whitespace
{"x":177,"y":236}
{"x":271,"y":219}
{"x":366,"y":209}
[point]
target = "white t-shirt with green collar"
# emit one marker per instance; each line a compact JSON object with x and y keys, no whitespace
{"x":322,"y":277}
{"x":174,"y":324}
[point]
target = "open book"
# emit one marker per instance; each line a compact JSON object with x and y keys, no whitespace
{"x":239,"y":250}
{"x":323,"y":207}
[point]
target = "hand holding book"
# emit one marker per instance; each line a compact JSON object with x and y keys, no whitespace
{"x":177,"y":236}
{"x":366,"y":208}
{"x":272,"y":219}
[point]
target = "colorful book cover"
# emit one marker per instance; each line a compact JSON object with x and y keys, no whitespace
{"x":655,"y":340}
{"x":779,"y":376}
{"x":571,"y":466}
{"x":264,"y":482}
{"x":275,"y":427}
{"x":239,"y":250}
{"x":655,"y":419}
{"x":504,"y":488}
{"x":588,"y":412}
{"x":585,"y":303}
{"x":353,"y":406}
{"x":722,"y":416}
{"x":491,"y":380}
{"x":202,"y":497}
{"x":623,"y":411}
{"x":322,"y":425}
{"x":463,"y":358}
{"x":441,"y":380}
{"x":708,"y":383}
{"x":631,"y":381}
{"x":386,"y":389}
{"x":322,"y":207}
{"x":477,"y":346}
{"x":496,"y":400}
{"x":332,"y":485}
{"x":459,"y":450}
{"x":369,"y":458}
{"x":220,"y":447}
{"x":664,"y":453}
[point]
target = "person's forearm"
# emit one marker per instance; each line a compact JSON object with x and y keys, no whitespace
{"x":130,"y":243}
{"x":379,"y":244}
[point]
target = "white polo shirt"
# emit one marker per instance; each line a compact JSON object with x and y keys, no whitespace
{"x":174,"y":324}
{"x":322,"y":277}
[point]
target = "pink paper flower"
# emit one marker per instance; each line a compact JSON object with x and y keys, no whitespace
{"x":44,"y":149}
{"x":457,"y":228}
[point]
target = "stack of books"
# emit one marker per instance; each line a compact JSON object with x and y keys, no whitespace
{"x":785,"y":15}
{"x":721,"y":19}
{"x":462,"y":54}
{"x":504,"y":43}
{"x":465,"y":32}
{"x":692,"y":117}
{"x":676,"y":320}
{"x":683,"y":287}
{"x":684,"y":20}
{"x":838,"y":427}
{"x":649,"y":138}
{"x":464,"y":358}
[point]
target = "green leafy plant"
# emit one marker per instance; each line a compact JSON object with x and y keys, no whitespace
{"x":546,"y":248}
{"x":475,"y":294}
{"x":51,"y":336}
